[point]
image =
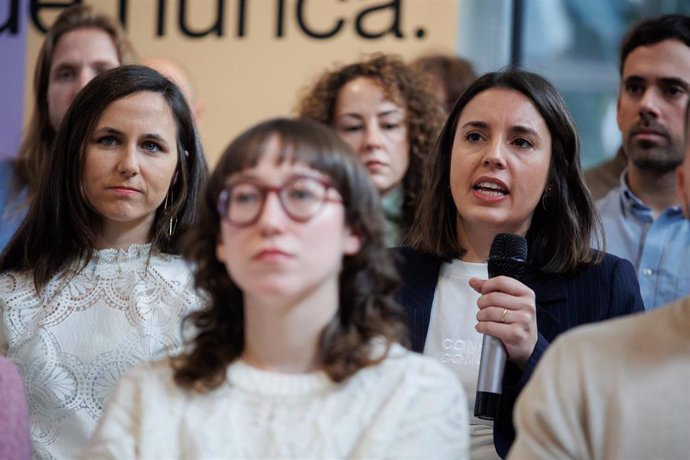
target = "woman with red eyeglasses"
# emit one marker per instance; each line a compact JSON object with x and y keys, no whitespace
{"x":296,"y":354}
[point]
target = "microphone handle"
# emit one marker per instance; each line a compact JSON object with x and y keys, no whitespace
{"x":489,"y":383}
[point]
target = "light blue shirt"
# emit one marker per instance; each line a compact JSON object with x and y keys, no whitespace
{"x":658,"y":248}
{"x":12,"y":212}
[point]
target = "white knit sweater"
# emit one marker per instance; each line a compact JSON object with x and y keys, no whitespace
{"x":408,"y":406}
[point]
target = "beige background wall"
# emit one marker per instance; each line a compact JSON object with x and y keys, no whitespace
{"x":244,"y":79}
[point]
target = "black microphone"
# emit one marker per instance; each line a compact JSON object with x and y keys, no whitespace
{"x":507,"y":257}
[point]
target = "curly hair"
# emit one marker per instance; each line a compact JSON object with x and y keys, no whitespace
{"x":367,"y":281}
{"x":402,"y":85}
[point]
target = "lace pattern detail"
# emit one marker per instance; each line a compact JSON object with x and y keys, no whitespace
{"x":75,"y":339}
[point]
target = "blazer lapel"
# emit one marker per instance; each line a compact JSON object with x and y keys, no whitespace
{"x":551,"y":294}
{"x":419,"y":276}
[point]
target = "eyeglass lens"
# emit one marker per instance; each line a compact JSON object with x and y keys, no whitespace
{"x":300,"y":197}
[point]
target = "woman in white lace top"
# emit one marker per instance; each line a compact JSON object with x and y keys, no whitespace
{"x":91,"y":283}
{"x":296,"y":354}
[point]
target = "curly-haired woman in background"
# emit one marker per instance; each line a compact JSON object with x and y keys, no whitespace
{"x":389,"y":115}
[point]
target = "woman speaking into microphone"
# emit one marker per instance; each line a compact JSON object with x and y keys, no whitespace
{"x":506,"y":161}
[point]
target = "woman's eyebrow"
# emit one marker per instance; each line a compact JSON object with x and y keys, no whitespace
{"x":476,"y":124}
{"x":521,"y":129}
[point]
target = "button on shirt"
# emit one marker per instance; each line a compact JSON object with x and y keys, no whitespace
{"x":659,"y":249}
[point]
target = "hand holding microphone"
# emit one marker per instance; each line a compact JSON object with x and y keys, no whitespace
{"x":507,"y":317}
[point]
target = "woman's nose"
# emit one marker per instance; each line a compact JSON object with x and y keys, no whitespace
{"x":372,"y":139}
{"x":272,"y":216}
{"x":494,"y":155}
{"x":128,"y":165}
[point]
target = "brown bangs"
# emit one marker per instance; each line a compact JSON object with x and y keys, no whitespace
{"x":298,"y":143}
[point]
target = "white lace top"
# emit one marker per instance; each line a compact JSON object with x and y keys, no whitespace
{"x":409,"y":406}
{"x":74,"y":340}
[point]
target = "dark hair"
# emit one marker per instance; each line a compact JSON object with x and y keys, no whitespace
{"x":40,"y":134}
{"x":560,"y":234}
{"x":687,"y":124}
{"x":402,"y":85}
{"x":452,"y":72}
{"x":61,"y":227}
{"x":651,"y":31}
{"x":367,"y":282}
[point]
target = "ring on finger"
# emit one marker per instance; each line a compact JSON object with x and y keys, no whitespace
{"x":503,"y":316}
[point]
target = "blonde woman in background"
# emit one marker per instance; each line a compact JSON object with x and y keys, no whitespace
{"x":80,"y":44}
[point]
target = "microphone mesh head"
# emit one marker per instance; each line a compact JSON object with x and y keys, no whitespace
{"x":507,"y":256}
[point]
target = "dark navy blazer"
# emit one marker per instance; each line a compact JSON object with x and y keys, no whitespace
{"x":594,"y":293}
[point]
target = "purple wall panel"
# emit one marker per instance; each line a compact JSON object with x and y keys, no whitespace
{"x":12,"y":79}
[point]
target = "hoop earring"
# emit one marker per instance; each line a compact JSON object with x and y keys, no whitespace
{"x":545,"y":197}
